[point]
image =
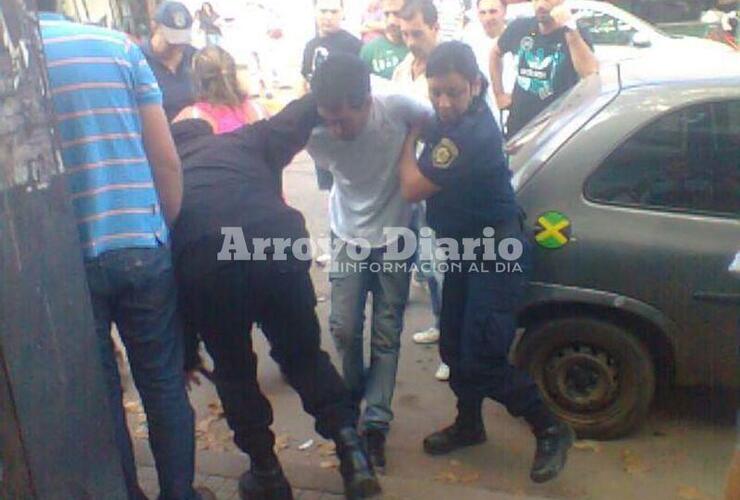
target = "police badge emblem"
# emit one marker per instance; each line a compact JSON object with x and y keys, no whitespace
{"x":444,"y":153}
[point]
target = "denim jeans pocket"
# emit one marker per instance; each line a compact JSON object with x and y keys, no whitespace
{"x":150,"y":275}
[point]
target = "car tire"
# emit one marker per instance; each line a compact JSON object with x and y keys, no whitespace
{"x":592,"y":373}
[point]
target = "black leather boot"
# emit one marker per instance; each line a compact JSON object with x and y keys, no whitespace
{"x":453,"y":437}
{"x":468,"y":430}
{"x":354,"y":465}
{"x":265,"y":481}
{"x":552,"y":451}
{"x":375,"y":443}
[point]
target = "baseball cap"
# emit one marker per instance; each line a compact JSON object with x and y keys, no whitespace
{"x":175,"y":22}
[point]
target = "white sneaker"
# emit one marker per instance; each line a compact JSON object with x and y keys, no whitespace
{"x":323,"y":259}
{"x":428,"y":336}
{"x":443,"y":373}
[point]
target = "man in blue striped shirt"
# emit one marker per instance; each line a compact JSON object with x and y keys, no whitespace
{"x":125,"y":181}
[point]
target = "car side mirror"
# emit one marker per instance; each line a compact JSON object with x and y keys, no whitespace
{"x":641,"y":40}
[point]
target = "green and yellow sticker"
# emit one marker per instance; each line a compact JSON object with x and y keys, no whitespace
{"x":552,"y":230}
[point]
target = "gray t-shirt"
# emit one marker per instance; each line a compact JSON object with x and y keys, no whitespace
{"x":366,"y":195}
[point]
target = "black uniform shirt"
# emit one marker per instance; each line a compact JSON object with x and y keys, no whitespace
{"x":234,"y":179}
{"x":467,"y":161}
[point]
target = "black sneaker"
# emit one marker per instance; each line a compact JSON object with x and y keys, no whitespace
{"x":453,"y":437}
{"x":552,"y":451}
{"x":375,"y":444}
{"x":271,"y":484}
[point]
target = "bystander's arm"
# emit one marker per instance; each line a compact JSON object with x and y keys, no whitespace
{"x":584,"y":60}
{"x":503,"y":100}
{"x":415,"y":186}
{"x":165,"y":164}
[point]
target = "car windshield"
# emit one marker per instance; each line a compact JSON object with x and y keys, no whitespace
{"x":532,"y":146}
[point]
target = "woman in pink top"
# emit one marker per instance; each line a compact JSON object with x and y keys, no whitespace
{"x":220,"y":101}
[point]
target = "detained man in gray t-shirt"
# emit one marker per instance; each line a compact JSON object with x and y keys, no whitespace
{"x":360,"y":142}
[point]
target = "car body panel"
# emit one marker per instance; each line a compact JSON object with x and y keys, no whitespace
{"x":673,"y":264}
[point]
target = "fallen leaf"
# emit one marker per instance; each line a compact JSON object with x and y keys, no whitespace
{"x":470,"y":477}
{"x":633,"y":464}
{"x":216,"y":409}
{"x":455,"y":463}
{"x":133,"y":406}
{"x":457,"y":477}
{"x":327,"y":449}
{"x":306,"y":445}
{"x":204,"y":425}
{"x":142,"y":432}
{"x":282,"y":442}
{"x":587,"y":445}
{"x":691,"y":493}
{"x":329,"y":464}
{"x":447,"y":477}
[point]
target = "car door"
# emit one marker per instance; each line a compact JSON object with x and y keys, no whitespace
{"x":671,"y":192}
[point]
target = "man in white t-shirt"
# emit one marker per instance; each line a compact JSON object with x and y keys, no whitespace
{"x":451,"y":19}
{"x":420,"y":30}
{"x":360,"y":142}
{"x":482,"y":37}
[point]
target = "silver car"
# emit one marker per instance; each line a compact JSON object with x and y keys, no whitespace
{"x":631,"y":183}
{"x":618,"y":35}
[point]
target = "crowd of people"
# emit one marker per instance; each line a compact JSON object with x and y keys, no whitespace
{"x":166,"y":155}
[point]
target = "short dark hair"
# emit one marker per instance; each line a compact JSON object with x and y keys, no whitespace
{"x":341,"y":79}
{"x":46,"y":5}
{"x":503,"y":2}
{"x":455,"y":57}
{"x":424,"y":7}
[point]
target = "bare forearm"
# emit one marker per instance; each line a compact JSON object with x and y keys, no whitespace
{"x":497,"y":70}
{"x":414,"y":185}
{"x":163,"y":159}
{"x":407,"y":163}
{"x":169,"y":183}
{"x":584,"y":60}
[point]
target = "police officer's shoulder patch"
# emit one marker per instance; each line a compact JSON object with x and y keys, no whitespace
{"x":444,"y":153}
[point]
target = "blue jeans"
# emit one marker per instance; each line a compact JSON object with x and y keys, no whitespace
{"x":349,"y":290}
{"x":427,"y":264}
{"x":135,"y":289}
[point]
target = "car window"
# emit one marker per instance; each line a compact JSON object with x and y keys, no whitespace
{"x":688,"y":160}
{"x":667,"y":11}
{"x":534,"y":144}
{"x":604,"y":28}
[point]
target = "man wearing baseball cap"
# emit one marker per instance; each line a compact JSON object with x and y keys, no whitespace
{"x":170,"y":55}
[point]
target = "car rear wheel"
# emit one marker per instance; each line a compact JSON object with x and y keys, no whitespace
{"x":592,"y":373}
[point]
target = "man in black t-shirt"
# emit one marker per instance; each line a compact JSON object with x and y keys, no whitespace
{"x":552,"y":55}
{"x":331,"y":38}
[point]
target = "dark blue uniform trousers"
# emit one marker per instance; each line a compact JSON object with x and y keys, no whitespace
{"x":477,"y":328}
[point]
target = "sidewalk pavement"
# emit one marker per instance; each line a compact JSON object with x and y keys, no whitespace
{"x":220,"y":472}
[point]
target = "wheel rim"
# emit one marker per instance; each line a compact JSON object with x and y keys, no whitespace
{"x":581,"y":378}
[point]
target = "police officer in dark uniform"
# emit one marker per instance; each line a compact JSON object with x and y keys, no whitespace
{"x":232,"y":198}
{"x":462,"y":173}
